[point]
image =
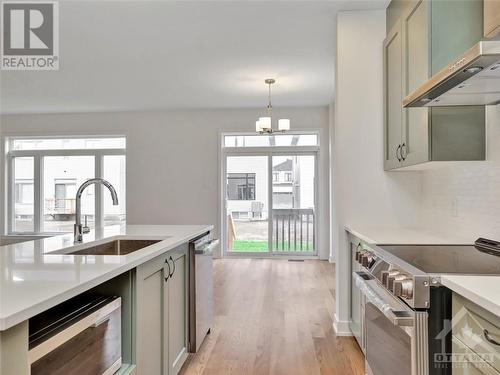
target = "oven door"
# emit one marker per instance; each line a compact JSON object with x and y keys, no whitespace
{"x":396,"y":335}
{"x":388,"y":347}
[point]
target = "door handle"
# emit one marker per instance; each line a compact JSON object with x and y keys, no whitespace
{"x":168,"y":275}
{"x":173,"y":262}
{"x":403,"y":147}
{"x":490,"y":339}
{"x":397,"y":153}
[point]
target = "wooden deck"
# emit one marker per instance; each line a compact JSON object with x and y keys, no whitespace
{"x":274,"y":317}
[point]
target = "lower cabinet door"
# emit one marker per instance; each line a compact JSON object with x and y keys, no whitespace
{"x":178,"y":311}
{"x":466,"y":362}
{"x":152,"y":333}
{"x":162,"y":313}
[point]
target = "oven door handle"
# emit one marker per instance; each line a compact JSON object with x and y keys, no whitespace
{"x":401,"y":318}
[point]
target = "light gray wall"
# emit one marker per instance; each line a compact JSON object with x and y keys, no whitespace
{"x":364,"y":195}
{"x":173,"y":156}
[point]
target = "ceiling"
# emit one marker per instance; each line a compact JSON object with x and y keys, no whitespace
{"x":133,"y":55}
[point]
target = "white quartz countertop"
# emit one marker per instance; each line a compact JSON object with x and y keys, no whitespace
{"x":482,"y":290}
{"x":33,"y":278}
{"x":409,"y":236}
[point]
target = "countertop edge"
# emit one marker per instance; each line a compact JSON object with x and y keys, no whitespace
{"x":25,"y":314}
{"x":468,"y":293}
{"x":359,"y":235}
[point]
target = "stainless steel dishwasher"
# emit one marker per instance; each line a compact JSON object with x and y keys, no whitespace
{"x":201,"y":296}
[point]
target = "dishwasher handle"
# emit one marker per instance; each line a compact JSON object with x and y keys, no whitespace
{"x":207,"y":248}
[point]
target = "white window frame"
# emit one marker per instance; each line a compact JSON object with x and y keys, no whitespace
{"x":269,"y":151}
{"x":38,"y":175}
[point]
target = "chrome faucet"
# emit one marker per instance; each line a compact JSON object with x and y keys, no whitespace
{"x":79,"y":230}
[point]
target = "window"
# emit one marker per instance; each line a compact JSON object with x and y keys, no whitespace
{"x":46,"y":173}
{"x":241,"y":186}
{"x":24,"y":191}
{"x":276,"y":176}
{"x":288,"y":176}
{"x":265,"y":140}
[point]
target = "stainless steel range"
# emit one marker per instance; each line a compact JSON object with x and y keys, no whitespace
{"x":407,"y":311}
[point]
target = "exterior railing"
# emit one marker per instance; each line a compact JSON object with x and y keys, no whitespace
{"x":58,"y":206}
{"x":293,"y":230}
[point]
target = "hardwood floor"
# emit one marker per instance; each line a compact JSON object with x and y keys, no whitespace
{"x":274,"y":317}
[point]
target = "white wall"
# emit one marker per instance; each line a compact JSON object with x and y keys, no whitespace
{"x":465,"y":197}
{"x":172,"y":156}
{"x":364,"y":193}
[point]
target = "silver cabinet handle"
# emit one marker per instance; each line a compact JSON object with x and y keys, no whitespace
{"x":168,"y":274}
{"x":488,"y":338}
{"x":173,"y":262}
{"x":403,"y":147}
{"x":397,"y":153}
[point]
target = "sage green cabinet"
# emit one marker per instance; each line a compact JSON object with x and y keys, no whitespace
{"x":393,"y":96}
{"x":162,"y":313}
{"x":429,"y":35}
{"x":475,"y":337}
{"x":178,"y":310}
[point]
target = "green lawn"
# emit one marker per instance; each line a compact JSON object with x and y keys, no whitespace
{"x":262,"y":246}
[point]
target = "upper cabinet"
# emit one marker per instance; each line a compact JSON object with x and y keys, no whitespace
{"x":424,"y":36}
{"x":492,"y":19}
{"x":393,"y":80}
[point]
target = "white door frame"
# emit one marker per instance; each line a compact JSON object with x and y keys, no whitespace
{"x":269,"y":152}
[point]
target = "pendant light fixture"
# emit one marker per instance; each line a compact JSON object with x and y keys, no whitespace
{"x":264,"y":124}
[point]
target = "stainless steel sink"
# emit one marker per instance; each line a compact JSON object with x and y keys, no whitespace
{"x":117,"y":247}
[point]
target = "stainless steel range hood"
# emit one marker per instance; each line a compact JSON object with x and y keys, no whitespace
{"x":473,"y":79}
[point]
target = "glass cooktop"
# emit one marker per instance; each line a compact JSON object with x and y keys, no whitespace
{"x":451,"y":259}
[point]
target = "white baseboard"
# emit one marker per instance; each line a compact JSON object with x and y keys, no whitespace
{"x":341,"y":328}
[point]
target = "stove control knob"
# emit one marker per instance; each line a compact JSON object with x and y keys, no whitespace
{"x":407,"y":286}
{"x":373,"y":260}
{"x":365,"y":259}
{"x":386,"y":275}
{"x":398,"y":288}
{"x":392,"y":278}
{"x":360,"y":257}
{"x":403,"y":287}
{"x":359,"y":250}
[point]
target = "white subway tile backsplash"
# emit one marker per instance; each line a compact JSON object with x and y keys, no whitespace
{"x":465,"y":196}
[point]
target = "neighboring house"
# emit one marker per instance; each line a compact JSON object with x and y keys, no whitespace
{"x":286,"y":183}
{"x":247,"y":187}
{"x":62,"y":176}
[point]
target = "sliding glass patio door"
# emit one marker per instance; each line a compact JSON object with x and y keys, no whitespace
{"x":247,"y":204}
{"x":293,"y":204}
{"x":270,"y":203}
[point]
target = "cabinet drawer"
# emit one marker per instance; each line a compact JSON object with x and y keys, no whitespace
{"x":466,"y":362}
{"x":476,"y":328}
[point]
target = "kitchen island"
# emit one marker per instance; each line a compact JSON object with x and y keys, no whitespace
{"x":38,"y":275}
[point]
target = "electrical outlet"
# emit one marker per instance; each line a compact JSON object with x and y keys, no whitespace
{"x":454,"y":207}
